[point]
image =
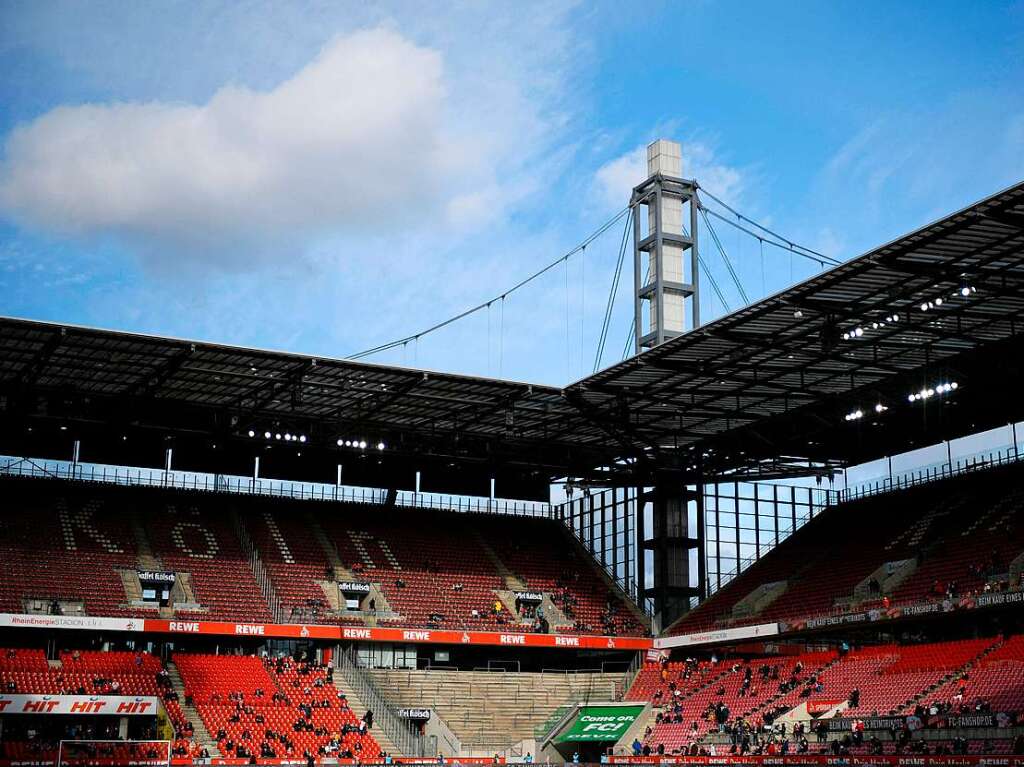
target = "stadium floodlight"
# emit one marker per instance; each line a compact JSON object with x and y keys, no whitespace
{"x":846,"y":336}
{"x":380,"y":445}
{"x":287,"y":437}
{"x":938,"y":301}
{"x":928,"y":392}
{"x":966,"y":288}
{"x":277,"y":436}
{"x":859,"y":332}
{"x":856,"y":415}
{"x":266,"y":435}
{"x":362,"y":445}
{"x":880,"y":408}
{"x":252,"y":433}
{"x":302,"y":438}
{"x":340,"y":442}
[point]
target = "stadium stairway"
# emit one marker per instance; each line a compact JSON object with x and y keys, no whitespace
{"x":200,"y":734}
{"x":341,"y":573}
{"x":489,"y":711}
{"x":259,"y":570}
{"x":359,"y":709}
{"x":927,"y":695}
{"x":512,"y":581}
{"x":145,"y":557}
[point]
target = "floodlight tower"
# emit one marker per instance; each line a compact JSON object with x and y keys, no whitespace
{"x":664,"y":234}
{"x":666,"y":276}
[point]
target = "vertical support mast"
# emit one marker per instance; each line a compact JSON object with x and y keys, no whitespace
{"x":663,"y":285}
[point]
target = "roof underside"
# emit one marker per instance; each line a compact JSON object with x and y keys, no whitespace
{"x":752,"y":371}
{"x":757,"y":384}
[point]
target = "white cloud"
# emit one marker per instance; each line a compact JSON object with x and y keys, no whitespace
{"x":614,"y":180}
{"x":364,"y":135}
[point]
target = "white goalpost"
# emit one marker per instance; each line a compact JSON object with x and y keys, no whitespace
{"x":79,"y":753}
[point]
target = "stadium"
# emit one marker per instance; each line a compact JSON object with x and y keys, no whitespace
{"x":789,"y":533}
{"x":403,"y":589}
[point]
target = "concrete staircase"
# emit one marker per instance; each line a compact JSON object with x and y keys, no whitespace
{"x":758,"y":599}
{"x":341,"y":573}
{"x":359,"y":709}
{"x":201,"y":734}
{"x":146,"y":559}
{"x":512,"y":581}
{"x":489,"y":711}
{"x":889,"y":576}
{"x":923,"y":694}
{"x":132,"y":587}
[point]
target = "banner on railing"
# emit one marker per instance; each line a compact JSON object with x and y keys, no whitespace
{"x":945,"y":605}
{"x":312,"y":631}
{"x":909,"y":760}
{"x":600,"y":723}
{"x":719,"y":636}
{"x":83,"y":622}
{"x":420,"y":714}
{"x":353,"y":587}
{"x":80,"y":705}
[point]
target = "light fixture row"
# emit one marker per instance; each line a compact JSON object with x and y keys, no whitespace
{"x":931,"y":391}
{"x":857,"y":414}
{"x":359,"y":444}
{"x":857,"y":332}
{"x":964,"y":291}
{"x":939,"y":390}
{"x":286,"y":436}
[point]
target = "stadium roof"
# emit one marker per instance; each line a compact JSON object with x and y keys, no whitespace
{"x":764,"y":391}
{"x":778,"y":378}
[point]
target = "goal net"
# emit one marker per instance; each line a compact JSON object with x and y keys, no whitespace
{"x":79,"y":753}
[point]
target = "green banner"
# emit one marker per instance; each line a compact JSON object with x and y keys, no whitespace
{"x":600,"y":723}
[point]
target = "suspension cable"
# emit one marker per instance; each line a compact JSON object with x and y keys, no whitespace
{"x":603,"y":338}
{"x":725,"y":258}
{"x":741,"y":217}
{"x":820,"y":260}
{"x":474,"y":309}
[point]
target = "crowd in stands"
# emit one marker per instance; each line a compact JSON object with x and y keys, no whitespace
{"x":279,"y":707}
{"x":88,"y":672}
{"x":918,"y":686}
{"x":253,"y":706}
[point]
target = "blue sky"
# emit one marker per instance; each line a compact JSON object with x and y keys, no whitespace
{"x":323,"y":177}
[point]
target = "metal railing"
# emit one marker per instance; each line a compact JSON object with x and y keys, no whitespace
{"x":628,"y":586}
{"x":1004,"y":456}
{"x":259,"y":570}
{"x":399,"y":731}
{"x":224,"y":483}
{"x":630,"y":674}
